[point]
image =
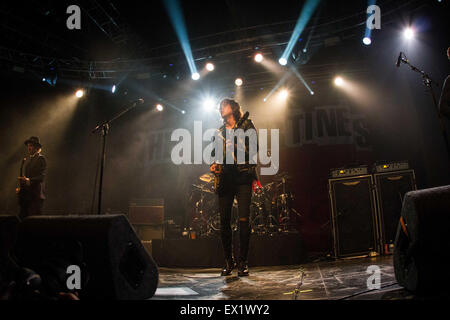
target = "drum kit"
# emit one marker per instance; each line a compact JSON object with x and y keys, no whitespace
{"x":271,"y":208}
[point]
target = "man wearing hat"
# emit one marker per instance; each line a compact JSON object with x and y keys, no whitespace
{"x":33,"y":180}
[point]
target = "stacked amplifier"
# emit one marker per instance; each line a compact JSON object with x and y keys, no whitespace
{"x":366,"y":206}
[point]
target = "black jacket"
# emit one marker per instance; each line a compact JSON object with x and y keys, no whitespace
{"x":35,"y":169}
{"x":246,"y":172}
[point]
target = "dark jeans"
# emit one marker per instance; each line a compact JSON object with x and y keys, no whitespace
{"x":243,"y":194}
{"x":31,"y":208}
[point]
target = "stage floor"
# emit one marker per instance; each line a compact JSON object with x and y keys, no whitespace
{"x":339,"y":279}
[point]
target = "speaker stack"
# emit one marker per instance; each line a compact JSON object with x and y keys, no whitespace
{"x":365,"y":207}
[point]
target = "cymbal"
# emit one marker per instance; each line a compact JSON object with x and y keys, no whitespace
{"x":202,"y":188}
{"x":207,"y":177}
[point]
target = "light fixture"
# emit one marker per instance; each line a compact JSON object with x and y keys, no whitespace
{"x":209,"y":66}
{"x":408,"y":33}
{"x":259,"y":57}
{"x":338,"y":81}
{"x":195,"y":76}
{"x":282,"y":61}
{"x":79,"y":93}
{"x":367,"y":41}
{"x":238,"y":82}
{"x":159,"y":107}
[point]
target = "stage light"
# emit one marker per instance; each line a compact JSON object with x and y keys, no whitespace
{"x":408,"y":33}
{"x":79,"y":93}
{"x":209,"y":66}
{"x":195,"y":76}
{"x":183,"y":112}
{"x":312,"y":93}
{"x":238,"y":82}
{"x":259,"y":57}
{"x":113,"y":89}
{"x":367,"y":41}
{"x":208,"y":104}
{"x":338,"y":81}
{"x":159,"y":107}
{"x":284,"y":94}
{"x":307,"y":12}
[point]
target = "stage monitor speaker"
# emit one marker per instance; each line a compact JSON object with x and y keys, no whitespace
{"x":422,"y":245}
{"x":353,"y":216}
{"x":113,"y":262}
{"x":8,"y":233}
{"x":390,"y":188}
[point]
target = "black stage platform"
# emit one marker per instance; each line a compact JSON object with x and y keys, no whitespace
{"x":326,"y":280}
{"x":277,"y":250}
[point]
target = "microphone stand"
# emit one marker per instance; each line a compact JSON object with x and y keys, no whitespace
{"x":104,"y":127}
{"x":428,"y":82}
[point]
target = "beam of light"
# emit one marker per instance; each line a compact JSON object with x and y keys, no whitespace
{"x":209,"y":66}
{"x":259,"y":57}
{"x":313,"y":28}
{"x":299,"y":76}
{"x":280,"y":82}
{"x":79,"y":94}
{"x":159,"y":107}
{"x":338,"y":81}
{"x":238,"y":82}
{"x":408,"y":33}
{"x":175,"y":14}
{"x":307,"y":11}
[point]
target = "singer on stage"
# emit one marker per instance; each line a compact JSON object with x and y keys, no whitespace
{"x":236,"y":180}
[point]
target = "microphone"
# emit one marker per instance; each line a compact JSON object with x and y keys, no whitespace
{"x":399,"y":59}
{"x":138,"y":101}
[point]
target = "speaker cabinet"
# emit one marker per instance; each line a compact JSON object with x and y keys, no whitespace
{"x":422,"y":246}
{"x":390,"y":188}
{"x":113,"y":262}
{"x":353,"y":216}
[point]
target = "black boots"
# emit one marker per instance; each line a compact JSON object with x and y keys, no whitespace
{"x":243,"y":269}
{"x":228,"y":268}
{"x":230,"y":265}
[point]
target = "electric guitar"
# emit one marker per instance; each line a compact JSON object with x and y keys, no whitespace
{"x":218,"y":173}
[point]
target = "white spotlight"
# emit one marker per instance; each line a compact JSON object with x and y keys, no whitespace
{"x":209,"y":66}
{"x":238,"y":82}
{"x":367,"y":41}
{"x":408,"y":33}
{"x":208,"y":104}
{"x":338,"y":81}
{"x":79,"y":93}
{"x":284,"y":94}
{"x":113,"y":89}
{"x":259,"y":57}
{"x":195,"y":76}
{"x":183,"y":112}
{"x":282,"y":61}
{"x":159,"y":107}
{"x":312,"y":93}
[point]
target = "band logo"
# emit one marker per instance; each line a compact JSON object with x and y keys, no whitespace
{"x":328,"y":125}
